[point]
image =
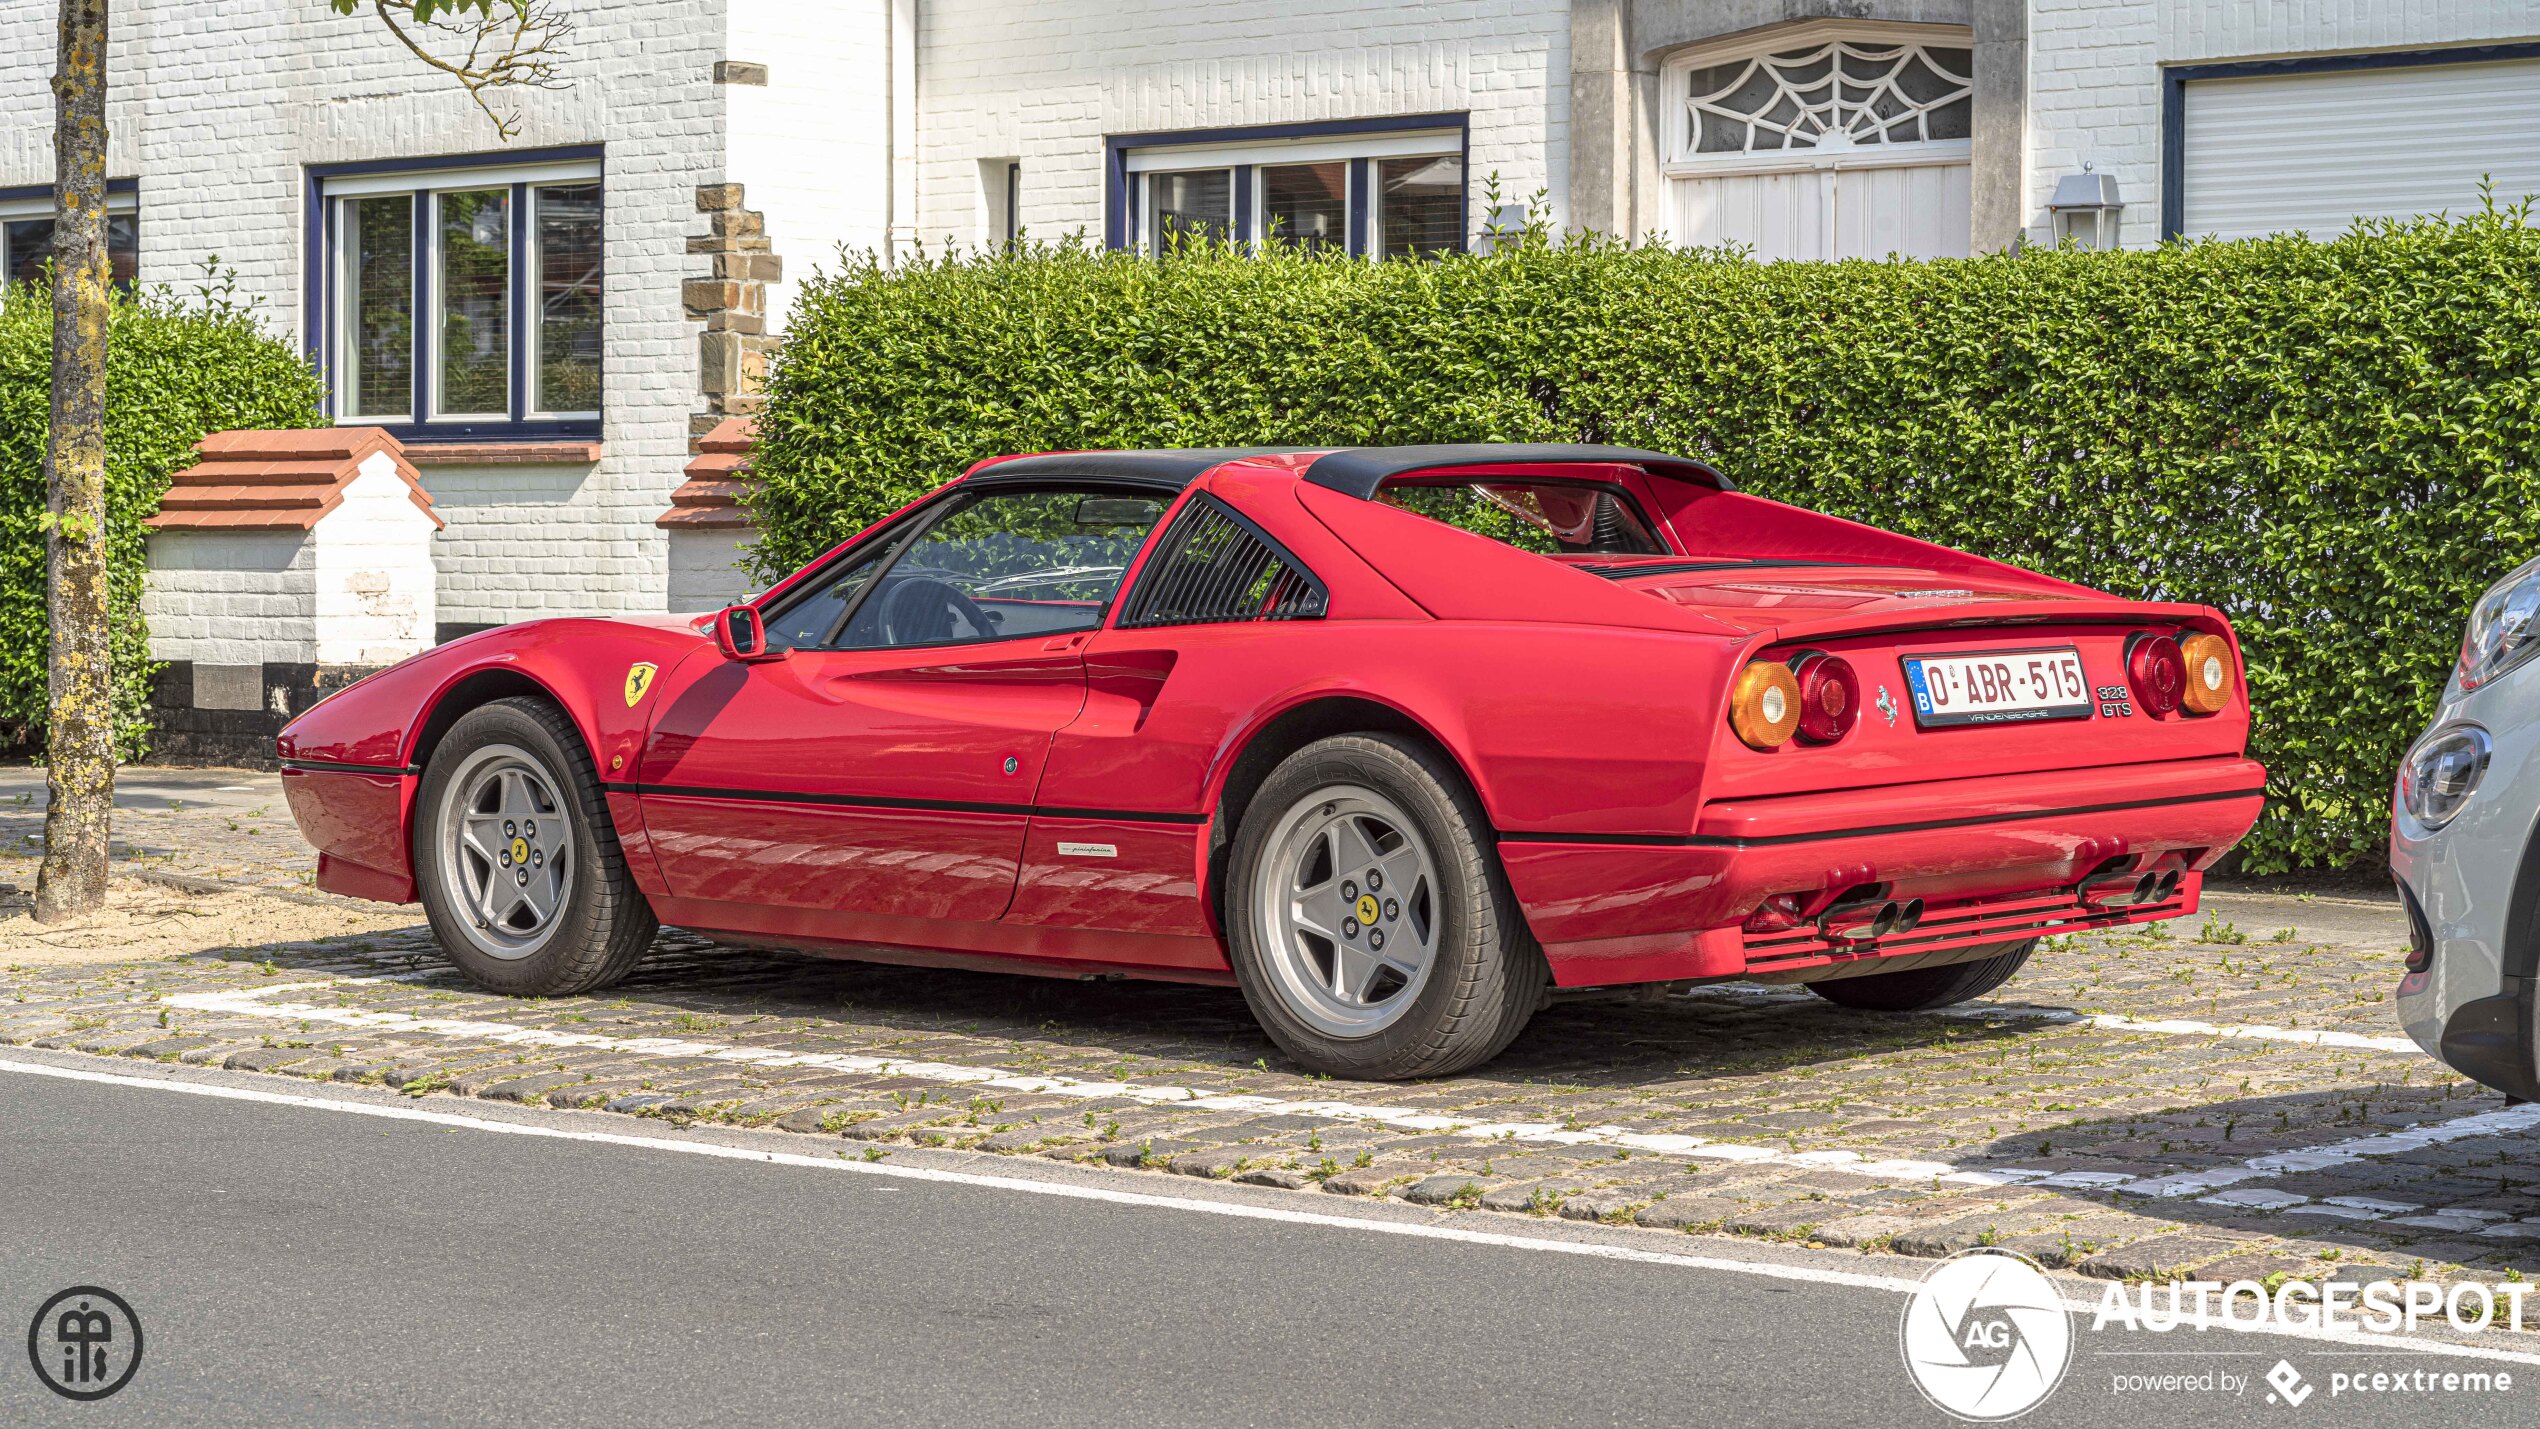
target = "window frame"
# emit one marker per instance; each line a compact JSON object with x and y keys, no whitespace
{"x":1129,"y":160}
{"x":19,"y":202}
{"x":326,"y":315}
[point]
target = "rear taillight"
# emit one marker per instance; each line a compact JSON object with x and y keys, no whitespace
{"x":1764,"y":708}
{"x":2158,"y":672}
{"x":2208,"y":662}
{"x":1829,"y":697}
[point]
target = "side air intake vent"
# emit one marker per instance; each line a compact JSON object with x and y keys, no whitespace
{"x":1213,"y":567}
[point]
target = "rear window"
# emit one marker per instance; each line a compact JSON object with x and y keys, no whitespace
{"x":1550,"y":518}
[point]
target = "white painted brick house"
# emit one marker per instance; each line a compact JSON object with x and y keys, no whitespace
{"x":549,"y":326}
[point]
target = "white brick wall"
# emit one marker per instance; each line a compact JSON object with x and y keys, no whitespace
{"x":706,"y":572}
{"x":1046,"y":83}
{"x":374,"y":598}
{"x":232,"y":597}
{"x":218,"y":109}
{"x":2095,"y":71}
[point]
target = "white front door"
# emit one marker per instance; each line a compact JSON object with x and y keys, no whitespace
{"x":1822,"y":142}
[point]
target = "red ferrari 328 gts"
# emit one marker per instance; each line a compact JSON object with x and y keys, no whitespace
{"x":1401,"y":741}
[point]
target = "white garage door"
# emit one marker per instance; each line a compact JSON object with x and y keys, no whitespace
{"x":2313,"y":152}
{"x":1916,"y":210}
{"x":1821,"y":145}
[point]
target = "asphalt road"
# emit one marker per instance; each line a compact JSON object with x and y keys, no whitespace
{"x":299,"y":1265}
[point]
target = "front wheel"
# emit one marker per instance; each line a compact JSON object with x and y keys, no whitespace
{"x":516,"y":860}
{"x":1922,"y":989}
{"x":1373,"y":933}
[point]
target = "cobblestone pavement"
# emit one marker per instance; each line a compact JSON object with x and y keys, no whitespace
{"x":2232,"y":1100}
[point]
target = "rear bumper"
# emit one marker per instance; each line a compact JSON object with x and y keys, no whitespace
{"x":1995,"y":859}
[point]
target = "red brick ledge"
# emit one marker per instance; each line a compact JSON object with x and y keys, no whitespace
{"x":718,"y":479}
{"x":537,"y":453}
{"x":278,"y":480}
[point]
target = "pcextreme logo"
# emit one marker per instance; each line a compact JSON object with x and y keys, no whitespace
{"x":1986,"y":1336}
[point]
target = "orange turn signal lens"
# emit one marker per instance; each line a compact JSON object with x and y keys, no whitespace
{"x":1764,"y":708}
{"x":2208,"y":673}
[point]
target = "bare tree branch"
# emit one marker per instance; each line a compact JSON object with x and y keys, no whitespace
{"x":486,"y":45}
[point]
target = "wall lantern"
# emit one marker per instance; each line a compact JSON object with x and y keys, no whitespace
{"x":2086,"y":209}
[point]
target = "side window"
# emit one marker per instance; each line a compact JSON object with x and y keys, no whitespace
{"x":1007,"y":564}
{"x":810,"y":620}
{"x":1214,"y":568}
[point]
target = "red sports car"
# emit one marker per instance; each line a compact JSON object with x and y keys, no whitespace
{"x":1401,"y":741}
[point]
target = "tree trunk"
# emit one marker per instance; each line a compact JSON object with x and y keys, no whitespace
{"x":80,"y":743}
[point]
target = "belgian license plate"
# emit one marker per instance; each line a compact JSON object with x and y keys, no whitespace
{"x":1998,"y":687}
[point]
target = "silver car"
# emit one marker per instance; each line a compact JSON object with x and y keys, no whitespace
{"x":2462,"y":846}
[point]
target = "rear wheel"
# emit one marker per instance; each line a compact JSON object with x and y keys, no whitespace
{"x":1372,"y":931}
{"x":1921,"y":989}
{"x":516,"y":860}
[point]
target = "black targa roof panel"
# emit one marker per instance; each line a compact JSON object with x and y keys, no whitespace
{"x":1360,"y":470}
{"x":1174,"y":467}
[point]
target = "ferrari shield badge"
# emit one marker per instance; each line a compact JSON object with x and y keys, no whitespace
{"x":639,"y":678}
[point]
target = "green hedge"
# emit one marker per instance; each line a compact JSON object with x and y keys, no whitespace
{"x":2332,"y":442}
{"x":175,"y":369}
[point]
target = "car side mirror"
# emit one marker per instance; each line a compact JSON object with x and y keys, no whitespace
{"x":739,"y":634}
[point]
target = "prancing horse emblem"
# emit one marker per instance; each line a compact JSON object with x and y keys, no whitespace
{"x":1887,"y":706}
{"x":639,"y":678}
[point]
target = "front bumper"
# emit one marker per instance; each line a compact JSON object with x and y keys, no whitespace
{"x":2474,"y":885}
{"x":1994,"y":859}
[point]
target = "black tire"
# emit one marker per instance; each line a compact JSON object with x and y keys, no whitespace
{"x":599,"y":926}
{"x":1485,"y":976}
{"x":1922,"y":989}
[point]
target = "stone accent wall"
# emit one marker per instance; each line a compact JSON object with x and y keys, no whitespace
{"x":731,"y":300}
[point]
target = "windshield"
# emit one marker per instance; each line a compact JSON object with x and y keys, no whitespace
{"x":1550,"y":518}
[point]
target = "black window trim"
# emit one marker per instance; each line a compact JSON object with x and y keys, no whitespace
{"x":1146,"y":574}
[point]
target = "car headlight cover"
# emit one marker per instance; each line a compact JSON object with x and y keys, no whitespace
{"x":2504,"y":628}
{"x":2441,"y":774}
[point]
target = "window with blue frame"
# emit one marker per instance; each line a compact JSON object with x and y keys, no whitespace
{"x":26,"y":233}
{"x":1381,"y":188}
{"x":463,"y":299}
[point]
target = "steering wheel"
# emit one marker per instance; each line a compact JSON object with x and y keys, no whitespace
{"x":920,"y":610}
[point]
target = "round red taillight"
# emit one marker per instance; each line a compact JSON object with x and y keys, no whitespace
{"x":1829,"y":698}
{"x":2158,"y":672}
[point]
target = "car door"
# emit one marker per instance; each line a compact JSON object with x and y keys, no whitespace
{"x":882,"y":760}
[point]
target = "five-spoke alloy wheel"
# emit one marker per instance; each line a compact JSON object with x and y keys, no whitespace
{"x":515,"y":858}
{"x":1371,"y":928}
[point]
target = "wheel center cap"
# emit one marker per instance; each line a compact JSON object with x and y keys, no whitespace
{"x":520,"y":850}
{"x":1367,"y":908}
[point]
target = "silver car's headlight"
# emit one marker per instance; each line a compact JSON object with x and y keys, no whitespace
{"x":2502,"y":633}
{"x":2442,"y":772}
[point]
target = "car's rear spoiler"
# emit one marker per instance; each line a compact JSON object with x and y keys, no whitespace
{"x":1358,"y":471}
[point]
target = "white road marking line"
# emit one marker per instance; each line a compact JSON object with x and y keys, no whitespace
{"x":2198,"y":1184}
{"x":1236,"y":1210}
{"x":2105,"y":1021}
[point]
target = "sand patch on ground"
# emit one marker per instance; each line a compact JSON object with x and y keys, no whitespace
{"x":144,"y":920}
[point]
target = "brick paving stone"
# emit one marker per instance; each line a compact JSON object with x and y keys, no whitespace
{"x":532,"y":1089}
{"x":2160,"y":1258}
{"x":1374,"y":1179}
